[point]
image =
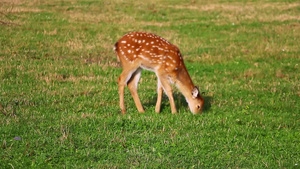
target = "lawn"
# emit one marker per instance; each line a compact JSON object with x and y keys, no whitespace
{"x":59,"y":102}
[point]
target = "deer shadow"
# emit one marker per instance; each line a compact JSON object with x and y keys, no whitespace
{"x":182,"y":102}
{"x":179,"y":102}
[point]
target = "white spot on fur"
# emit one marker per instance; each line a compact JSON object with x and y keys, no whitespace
{"x":143,"y":57}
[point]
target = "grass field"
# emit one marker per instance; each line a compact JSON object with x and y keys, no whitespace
{"x":59,"y":103}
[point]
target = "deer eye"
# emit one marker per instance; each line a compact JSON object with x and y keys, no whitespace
{"x":198,"y":107}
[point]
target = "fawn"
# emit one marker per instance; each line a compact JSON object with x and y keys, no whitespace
{"x":139,"y":50}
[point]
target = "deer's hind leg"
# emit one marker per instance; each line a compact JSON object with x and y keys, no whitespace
{"x":132,"y":85}
{"x":125,"y":76}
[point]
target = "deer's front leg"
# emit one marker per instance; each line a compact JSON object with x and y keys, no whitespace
{"x":159,"y":97}
{"x":168,"y":89}
{"x":121,"y":95}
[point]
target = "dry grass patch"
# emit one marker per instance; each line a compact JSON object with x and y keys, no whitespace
{"x":154,"y":23}
{"x":238,"y":7}
{"x":54,"y":32}
{"x":212,"y":7}
{"x":16,"y":6}
{"x":51,"y":77}
{"x":281,"y":18}
{"x":108,"y":17}
{"x":74,"y":44}
{"x":23,"y":9}
{"x":237,"y":12}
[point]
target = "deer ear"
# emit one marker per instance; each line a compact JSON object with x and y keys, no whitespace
{"x":195,"y":92}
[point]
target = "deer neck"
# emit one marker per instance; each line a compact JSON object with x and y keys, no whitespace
{"x":185,"y":83}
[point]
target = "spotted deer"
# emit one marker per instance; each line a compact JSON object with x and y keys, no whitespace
{"x":139,"y":50}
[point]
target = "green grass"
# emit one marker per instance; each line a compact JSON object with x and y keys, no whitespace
{"x":59,"y":93}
